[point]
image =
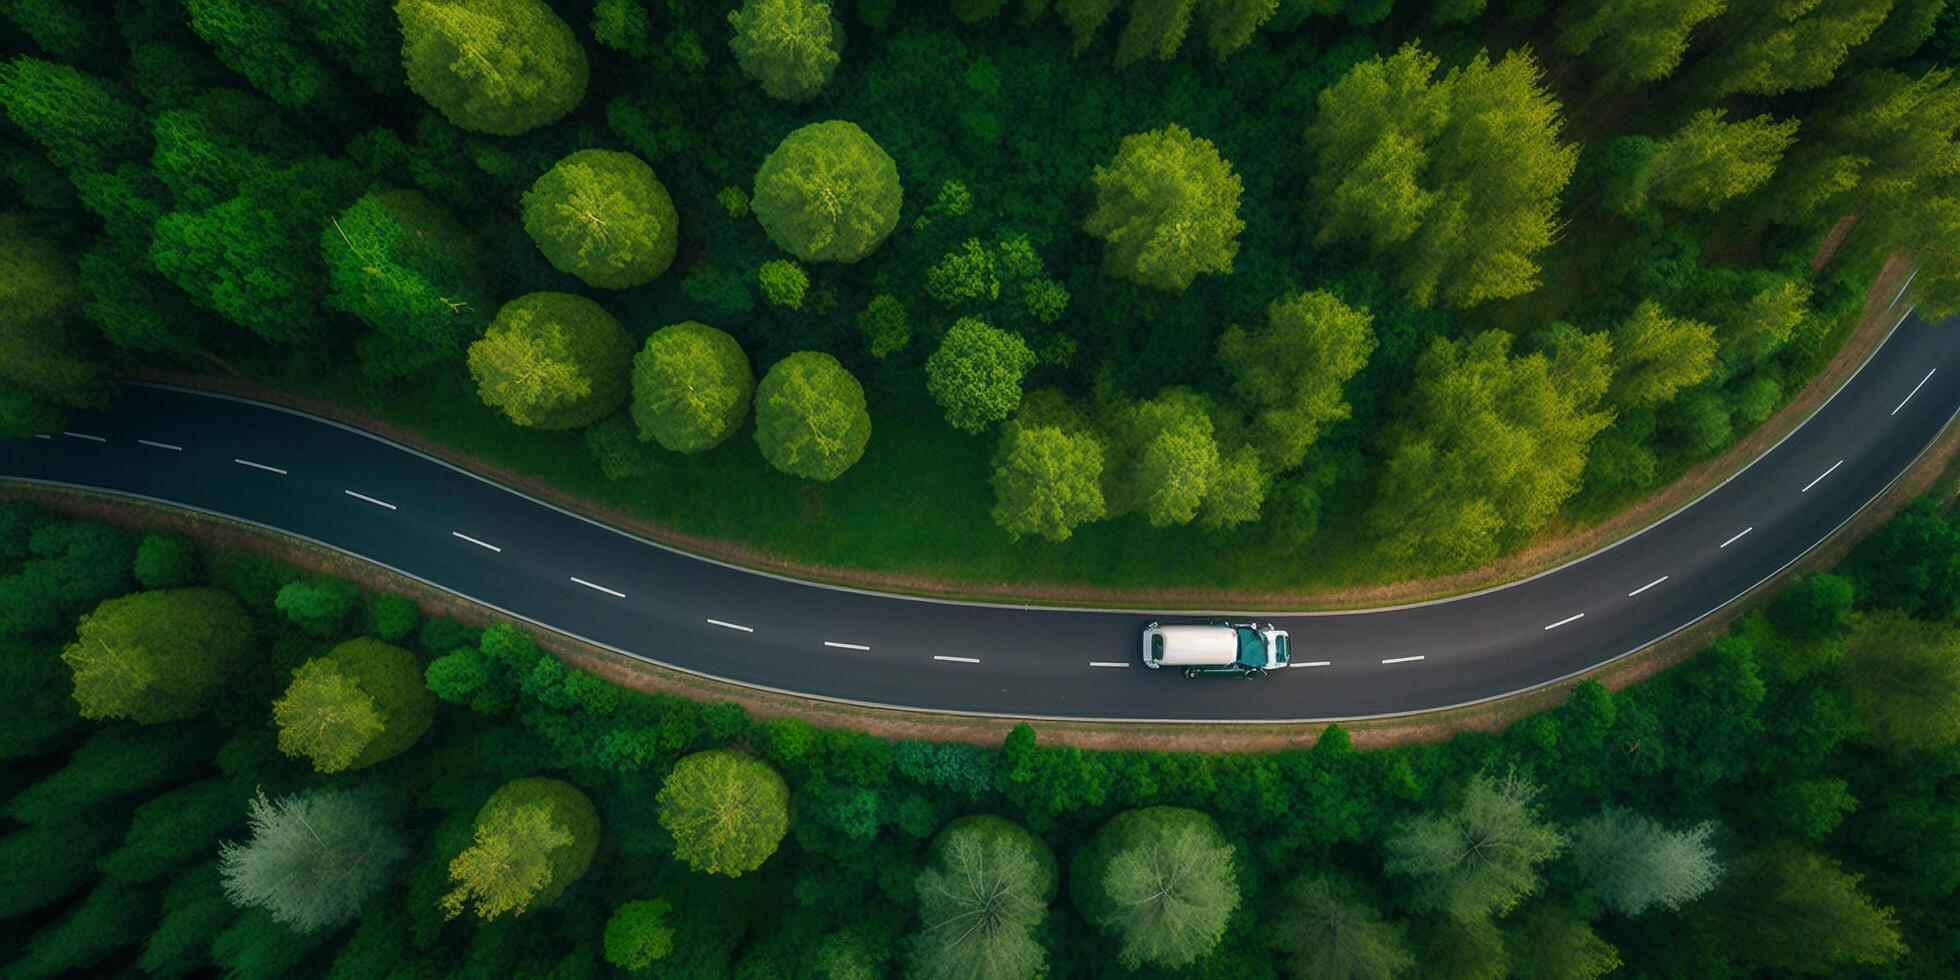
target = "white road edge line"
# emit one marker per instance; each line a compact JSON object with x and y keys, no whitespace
{"x":845,"y":646}
{"x":1318,"y":663}
{"x":732,"y":626}
{"x":1647,"y":586}
{"x":1568,"y":619}
{"x":84,"y":435}
{"x":371,"y":500}
{"x":258,"y":466}
{"x":957,"y":660}
{"x":1107,"y":663}
{"x":1738,"y":535}
{"x":589,"y":585}
{"x":1896,"y":297}
{"x":1400,"y":660}
{"x":1915,"y":389}
{"x":1821,"y":476}
{"x":480,"y":544}
{"x":161,"y":445}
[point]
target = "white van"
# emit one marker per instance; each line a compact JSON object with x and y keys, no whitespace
{"x":1217,"y":647}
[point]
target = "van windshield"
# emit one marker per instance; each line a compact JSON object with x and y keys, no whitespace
{"x":1252,"y":648}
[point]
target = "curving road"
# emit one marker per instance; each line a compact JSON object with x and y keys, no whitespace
{"x":376,"y":500}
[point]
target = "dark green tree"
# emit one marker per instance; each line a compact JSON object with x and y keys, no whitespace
{"x":1329,"y":933}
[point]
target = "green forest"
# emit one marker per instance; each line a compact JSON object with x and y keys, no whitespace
{"x":217,"y":762}
{"x":1310,"y":292}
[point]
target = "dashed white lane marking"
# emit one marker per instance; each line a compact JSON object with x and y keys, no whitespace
{"x":1568,"y":619}
{"x":371,"y":500}
{"x":42,"y":435}
{"x":161,"y":445}
{"x":84,"y":435}
{"x":1901,"y":294}
{"x":957,"y":660}
{"x":1915,"y":389}
{"x":732,"y":626}
{"x":1738,"y":535}
{"x":601,"y":588}
{"x":1401,"y":660}
{"x":1647,"y":586}
{"x":1821,"y":476}
{"x":258,"y":466}
{"x":845,"y":646}
{"x":480,"y":544}
{"x":1321,"y":663}
{"x":1108,"y":663}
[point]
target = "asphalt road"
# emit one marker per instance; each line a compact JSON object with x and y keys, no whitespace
{"x":379,"y":501}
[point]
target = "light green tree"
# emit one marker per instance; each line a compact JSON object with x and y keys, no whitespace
{"x":1230,"y":24}
{"x":1764,"y":323}
{"x":312,"y":860}
{"x":1903,"y":676}
{"x":1287,"y":376}
{"x":1656,"y":354}
{"x":533,"y":838}
{"x":637,"y":935}
{"x":790,"y":46}
{"x":1329,"y":933}
{"x":810,"y":417}
{"x":1163,"y":455}
{"x":1490,"y":446}
{"x":1160,"y":881}
{"x":358,"y":704}
{"x":982,"y":896}
{"x":1455,"y":180}
{"x":1708,"y":161}
{"x":603,"y":216}
{"x":1481,"y":858}
{"x":976,"y":373}
{"x":783,"y":283}
{"x":157,"y":656}
{"x":691,"y":387}
{"x":1769,"y":47}
{"x":1167,"y":209}
{"x":1555,"y":945}
{"x":552,"y":361}
{"x":1882,"y":144}
{"x":1631,"y":863}
{"x":1047,"y":479}
{"x":726,"y":811}
{"x":493,"y":66}
{"x":1632,"y":41}
{"x":405,"y":267}
{"x":828,"y":193}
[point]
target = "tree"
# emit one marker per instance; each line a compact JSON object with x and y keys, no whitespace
{"x":976,"y":373}
{"x":885,"y":325}
{"x":810,"y":417}
{"x":1550,"y":945}
{"x":637,"y":935}
{"x":1631,"y":863}
{"x":218,"y":140}
{"x":1797,"y":910}
{"x":1155,"y":28}
{"x":360,"y":703}
{"x":1229,"y":24}
{"x":1456,"y":181}
{"x":1488,"y":449}
{"x":603,"y":216}
{"x":319,"y":606}
{"x":1881,"y":144}
{"x":533,"y":838}
{"x":828,"y":193}
{"x":783,"y":283}
{"x":82,"y":122}
{"x":262,"y":43}
{"x":1160,"y":881}
{"x":1769,"y":48}
{"x":727,"y":811}
{"x":492,"y":66}
{"x":173,"y":829}
{"x":552,"y":361}
{"x":1288,"y":376}
{"x":1709,"y":160}
{"x":312,"y":860}
{"x":48,"y":365}
{"x":1164,"y":456}
{"x":1632,"y":41}
{"x":157,"y":656}
{"x":113,"y":915}
{"x":691,"y":387}
{"x":982,"y":896}
{"x":791,"y":47}
{"x":970,"y":273}
{"x":1903,"y":676}
{"x":1329,"y":933}
{"x":64,"y":567}
{"x":1167,"y":209}
{"x":116,"y":763}
{"x":1047,"y":480}
{"x":167,"y":561}
{"x":407,"y":269}
{"x":1913,"y":561}
{"x":1481,"y":858}
{"x":1656,"y":354}
{"x":48,"y":863}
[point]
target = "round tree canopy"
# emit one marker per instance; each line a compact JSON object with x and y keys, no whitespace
{"x":552,"y":361}
{"x":828,"y":193}
{"x":602,"y":216}
{"x":810,"y":416}
{"x":492,"y":66}
{"x":726,"y":811}
{"x":691,"y":387}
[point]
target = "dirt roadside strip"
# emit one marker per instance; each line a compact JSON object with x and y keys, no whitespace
{"x":1556,"y":546}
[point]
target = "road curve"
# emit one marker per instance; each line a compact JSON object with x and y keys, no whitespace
{"x":379,"y":501}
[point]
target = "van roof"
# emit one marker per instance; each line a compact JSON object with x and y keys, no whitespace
{"x":1199,"y":646}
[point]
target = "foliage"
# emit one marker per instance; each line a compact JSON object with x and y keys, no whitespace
{"x":319,"y":606}
{"x":691,"y":387}
{"x":1330,"y":934}
{"x":783,"y":283}
{"x":1556,"y":946}
{"x":1633,"y":864}
{"x":790,"y":47}
{"x":492,"y":66}
{"x":885,"y":325}
{"x":407,"y":269}
{"x":360,"y":703}
{"x":637,"y":934}
{"x":1632,"y":41}
{"x":603,"y":216}
{"x":1047,"y":480}
{"x":552,"y":361}
{"x":1480,"y":858}
{"x":156,"y":656}
{"x":1903,"y":677}
{"x":810,"y":417}
{"x":1656,"y":355}
{"x":1288,"y":375}
{"x":828,"y":193}
{"x":1167,"y":209}
{"x":982,"y":897}
{"x":167,"y":561}
{"x":47,"y":362}
{"x":1771,"y":48}
{"x":1159,"y":880}
{"x":976,"y":374}
{"x":312,"y":860}
{"x":1709,"y":160}
{"x":532,"y":839}
{"x":1798,"y":910}
{"x":727,"y":811}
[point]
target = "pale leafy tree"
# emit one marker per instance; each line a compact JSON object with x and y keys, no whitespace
{"x":533,"y":838}
{"x":1632,"y":864}
{"x":691,"y":387}
{"x":1769,"y":47}
{"x":981,"y":897}
{"x":1481,"y":858}
{"x":1047,"y":480}
{"x":1159,"y":880}
{"x":828,"y":193}
{"x":1631,"y":41}
{"x":1710,"y":160}
{"x":791,"y":47}
{"x":604,"y":217}
{"x":1551,"y":945}
{"x":726,"y":811}
{"x":810,"y":417}
{"x":1288,"y":375}
{"x":1167,"y":209}
{"x":311,"y":860}
{"x":1328,"y":933}
{"x":1904,"y":678}
{"x":552,"y":361}
{"x":493,"y":66}
{"x":1656,"y":354}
